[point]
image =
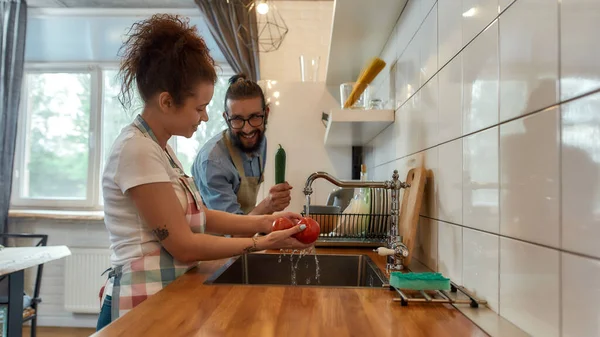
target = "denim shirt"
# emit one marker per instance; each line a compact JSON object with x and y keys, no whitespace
{"x":216,"y":176}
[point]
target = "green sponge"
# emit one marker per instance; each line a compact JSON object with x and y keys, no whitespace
{"x":419,"y":281}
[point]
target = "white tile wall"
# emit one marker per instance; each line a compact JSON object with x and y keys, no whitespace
{"x":514,"y":170}
{"x":389,"y":55}
{"x":426,"y":6}
{"x":580,"y":296}
{"x":529,"y":285}
{"x":426,"y":246}
{"x":579,"y":50}
{"x":416,"y":123}
{"x":476,"y":15}
{"x":429,"y":106}
{"x":449,"y":29}
{"x":450,"y":100}
{"x":449,"y":181}
{"x":386,"y":147}
{"x":413,"y":18}
{"x":480,"y":81}
{"x":480,"y":181}
{"x":402,"y":131}
{"x":431,"y":162}
{"x":504,"y":3}
{"x":529,"y":178}
{"x":403,"y":166}
{"x":383,"y":89}
{"x":581,"y":175}
{"x":450,"y":251}
{"x":427,"y":37}
{"x":528,"y":57}
{"x":383,"y":172}
{"x":481,"y":256}
{"x":400,"y":85}
{"x":408,"y":69}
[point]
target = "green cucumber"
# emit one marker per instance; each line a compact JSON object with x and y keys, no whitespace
{"x":280,"y":165}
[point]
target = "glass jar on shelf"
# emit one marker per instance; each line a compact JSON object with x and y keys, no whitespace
{"x":375,"y":104}
{"x":346,"y":90}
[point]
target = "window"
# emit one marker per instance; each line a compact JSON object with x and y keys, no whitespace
{"x":56,"y":152}
{"x":187,"y":149}
{"x":114,"y":117}
{"x":69,"y":120}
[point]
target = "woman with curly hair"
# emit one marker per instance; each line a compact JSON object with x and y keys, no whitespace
{"x":153,"y":210}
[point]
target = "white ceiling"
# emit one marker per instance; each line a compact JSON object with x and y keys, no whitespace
{"x":116,"y":3}
{"x":112,"y":3}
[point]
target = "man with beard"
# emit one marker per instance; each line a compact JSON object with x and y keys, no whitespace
{"x":229,"y":167}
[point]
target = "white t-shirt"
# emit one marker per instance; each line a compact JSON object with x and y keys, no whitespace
{"x":134,"y":160}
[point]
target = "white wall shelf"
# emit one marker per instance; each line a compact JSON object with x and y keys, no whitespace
{"x":356,"y":127}
{"x":359,"y":32}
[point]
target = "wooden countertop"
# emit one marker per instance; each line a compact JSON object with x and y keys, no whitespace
{"x":187,"y":307}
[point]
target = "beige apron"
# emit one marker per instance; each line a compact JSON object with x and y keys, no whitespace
{"x":246,"y":195}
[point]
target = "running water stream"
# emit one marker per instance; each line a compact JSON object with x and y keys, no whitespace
{"x":301,"y":254}
{"x":294,"y":264}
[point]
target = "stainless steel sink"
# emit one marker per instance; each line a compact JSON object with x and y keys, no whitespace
{"x":276,"y":269}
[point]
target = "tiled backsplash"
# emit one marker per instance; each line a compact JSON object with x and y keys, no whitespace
{"x":501,"y":102}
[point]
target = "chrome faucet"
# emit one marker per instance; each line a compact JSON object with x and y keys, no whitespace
{"x":395,"y":250}
{"x":351,"y":183}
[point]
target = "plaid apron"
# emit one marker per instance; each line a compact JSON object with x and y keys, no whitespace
{"x":135,"y":281}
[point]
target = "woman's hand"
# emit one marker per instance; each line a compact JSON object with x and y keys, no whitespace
{"x":267,"y":225}
{"x":282,"y":239}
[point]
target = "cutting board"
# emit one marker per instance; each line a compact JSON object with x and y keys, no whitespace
{"x":411,"y":207}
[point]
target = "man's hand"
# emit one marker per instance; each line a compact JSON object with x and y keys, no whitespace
{"x":279,"y":197}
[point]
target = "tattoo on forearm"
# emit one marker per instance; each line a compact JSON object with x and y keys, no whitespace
{"x":161,"y":233}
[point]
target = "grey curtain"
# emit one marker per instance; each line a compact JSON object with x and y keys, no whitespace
{"x":233,"y":27}
{"x":13,"y":22}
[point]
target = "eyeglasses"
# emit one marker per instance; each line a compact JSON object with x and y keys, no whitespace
{"x":253,"y":120}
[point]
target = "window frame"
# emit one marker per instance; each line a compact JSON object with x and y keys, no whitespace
{"x":17,"y":201}
{"x":92,"y":201}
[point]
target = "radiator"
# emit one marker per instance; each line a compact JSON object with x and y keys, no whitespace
{"x":83,"y":279}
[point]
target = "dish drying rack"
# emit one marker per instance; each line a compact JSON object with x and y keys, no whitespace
{"x":352,"y":229}
{"x":401,"y":223}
